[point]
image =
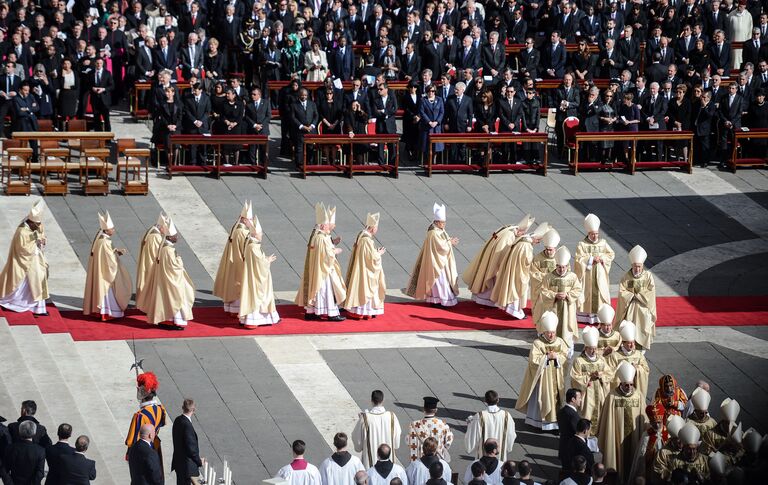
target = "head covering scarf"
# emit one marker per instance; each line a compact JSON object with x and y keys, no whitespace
{"x":673,"y":403}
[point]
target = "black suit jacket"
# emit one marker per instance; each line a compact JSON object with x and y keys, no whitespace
{"x":703,"y":121}
{"x":186,"y":453}
{"x":261,"y":116}
{"x":25,"y":463}
{"x":470,"y":60}
{"x":144,"y":465}
{"x":510,"y":115}
{"x":385,"y":114}
{"x":458,"y":117}
{"x":574,"y":447}
{"x":733,"y":111}
{"x":567,"y":419}
{"x":494,"y":60}
{"x":165,"y":62}
{"x":14,"y":86}
{"x":106,"y":82}
{"x":723,"y":59}
{"x":78,"y":470}
{"x":54,"y":455}
{"x":302,"y":117}
{"x":196,"y":111}
{"x":554,"y":60}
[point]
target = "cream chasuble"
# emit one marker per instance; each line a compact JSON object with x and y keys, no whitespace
{"x":229,"y":277}
{"x":541,"y":266}
{"x":510,"y":291}
{"x":25,"y":261}
{"x":375,"y":427}
{"x":594,"y":277}
{"x":567,"y":326}
{"x":366,"y":286}
{"x":257,"y":298}
{"x":105,"y":273}
{"x":480,"y":273}
{"x":147,"y":263}
{"x":637,"y":359}
{"x":320,"y":265}
{"x":172,"y":292}
{"x":612,"y":340}
{"x":435,"y":257}
{"x":542,"y":392}
{"x":637,"y":303}
{"x":593,"y":390}
{"x":622,"y":423}
{"x":491,"y":423}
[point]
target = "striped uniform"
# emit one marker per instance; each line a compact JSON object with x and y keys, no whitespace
{"x":151,"y":412}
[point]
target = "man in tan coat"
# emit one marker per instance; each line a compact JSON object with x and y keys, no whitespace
{"x":622,"y":422}
{"x":480,"y":275}
{"x":24,"y":279}
{"x":108,"y":284}
{"x":366,"y":286}
{"x":257,"y":298}
{"x":322,"y":289}
{"x":543,"y":264}
{"x":434,"y":277}
{"x":637,"y":298}
{"x":171,"y":292}
{"x":542,"y":392}
{"x":560,"y":293}
{"x":593,"y":261}
{"x":510,"y":291}
{"x":229,"y":277}
{"x":147,"y":261}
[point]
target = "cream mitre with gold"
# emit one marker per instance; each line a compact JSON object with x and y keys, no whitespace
{"x":321,"y":215}
{"x":606,"y":313}
{"x":36,"y":212}
{"x":689,"y":434}
{"x":548,"y":321}
{"x":700,"y":399}
{"x":628,"y":331}
{"x":170,"y":227}
{"x":372,"y":220}
{"x":247,"y":210}
{"x":590,"y":336}
{"x":332,"y":215}
{"x":591,"y":223}
{"x":551,"y":239}
{"x":526,"y":223}
{"x":105,"y":221}
{"x":439,"y":212}
{"x":626,"y":372}
{"x":162,"y":223}
{"x":540,"y":230}
{"x":730,"y":410}
{"x":674,"y":424}
{"x":718,"y":463}
{"x":637,"y":255}
{"x":254,"y":226}
{"x":562,"y":256}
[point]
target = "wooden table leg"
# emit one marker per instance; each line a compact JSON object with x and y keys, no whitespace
{"x":429,"y":160}
{"x":304,"y":159}
{"x":575,"y":163}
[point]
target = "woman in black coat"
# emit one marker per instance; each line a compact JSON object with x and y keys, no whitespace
{"x":757,"y":117}
{"x":356,"y":123}
{"x":331,"y":112}
{"x":679,"y":112}
{"x":230,"y":121}
{"x":167,"y":121}
{"x":67,"y":90}
{"x":411,"y":104}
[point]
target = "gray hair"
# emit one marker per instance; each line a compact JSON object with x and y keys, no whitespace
{"x":460,"y":85}
{"x":27,"y":429}
{"x":361,"y":478}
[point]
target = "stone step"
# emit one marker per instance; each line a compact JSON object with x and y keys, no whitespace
{"x":109,"y":363}
{"x":91,"y":403}
{"x":55,"y":393}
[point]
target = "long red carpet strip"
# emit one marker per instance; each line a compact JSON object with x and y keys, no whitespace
{"x":698,"y":311}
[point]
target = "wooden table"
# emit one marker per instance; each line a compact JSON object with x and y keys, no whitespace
{"x":217,"y":142}
{"x":349,"y":167}
{"x":755,"y":161}
{"x":486,"y":142}
{"x":101,"y":136}
{"x":632,"y":137}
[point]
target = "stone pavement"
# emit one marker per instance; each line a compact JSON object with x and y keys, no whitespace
{"x":705,"y":234}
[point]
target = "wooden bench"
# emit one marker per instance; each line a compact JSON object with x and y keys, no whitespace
{"x":633,"y":137}
{"x":217,"y":143}
{"x":349,"y":167}
{"x":754,"y":160}
{"x":486,"y":144}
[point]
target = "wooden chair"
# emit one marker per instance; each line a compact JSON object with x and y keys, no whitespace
{"x":6,"y":144}
{"x":96,"y":161}
{"x":18,"y":171}
{"x":45,"y":125}
{"x":122,"y":145}
{"x":84,"y":145}
{"x":54,"y":169}
{"x":135,"y":162}
{"x":570,"y":127}
{"x":76,"y":125}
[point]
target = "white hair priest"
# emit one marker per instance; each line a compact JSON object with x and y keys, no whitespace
{"x":434,"y":278}
{"x":365,"y":282}
{"x":171,"y":292}
{"x":229,"y":276}
{"x":593,"y":260}
{"x":322,"y":289}
{"x":108,"y":284}
{"x":256,"y":302}
{"x":147,"y":261}
{"x":24,"y":279}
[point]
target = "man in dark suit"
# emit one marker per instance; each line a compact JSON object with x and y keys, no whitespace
{"x":553,"y":57}
{"x":654,"y":111}
{"x":629,"y":48}
{"x":518,"y":29}
{"x":101,"y":86}
{"x":458,"y":118}
{"x":343,"y":60}
{"x":54,"y":455}
{"x":702,"y":125}
{"x":165,"y":57}
{"x":191,"y":57}
{"x":567,"y":420}
{"x":28,"y":410}
{"x":24,"y":460}
{"x":729,"y":115}
{"x":510,"y":119}
{"x":720,"y":54}
{"x":494,"y":59}
{"x":193,"y":19}
{"x":530,"y":59}
{"x":610,"y":60}
{"x":196,"y":120}
{"x":25,"y":109}
{"x":754,"y":49}
{"x":589,"y":113}
{"x":9,"y":87}
{"x":467,"y":57}
{"x":305,"y":116}
{"x":715,"y":19}
{"x":410,"y":63}
{"x":145,"y":60}
{"x":78,"y":470}
{"x":258,"y":114}
{"x":567,"y":103}
{"x":656,"y":72}
{"x":186,"y":453}
{"x":577,"y":445}
{"x":143,"y":460}
{"x":383,"y":108}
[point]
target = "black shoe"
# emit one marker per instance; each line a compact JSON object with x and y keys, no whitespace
{"x":311,"y":316}
{"x":41,"y":314}
{"x":337,"y":318}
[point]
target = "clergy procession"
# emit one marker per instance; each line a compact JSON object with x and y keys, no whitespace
{"x":587,"y":379}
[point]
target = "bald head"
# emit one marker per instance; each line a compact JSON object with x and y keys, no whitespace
{"x":361,"y":478}
{"x":703,"y":384}
{"x":147,"y":432}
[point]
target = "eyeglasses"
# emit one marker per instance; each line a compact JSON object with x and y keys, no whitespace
{"x":380,"y":89}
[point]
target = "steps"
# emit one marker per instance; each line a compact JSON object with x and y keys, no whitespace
{"x":53,"y":391}
{"x":61,"y":377}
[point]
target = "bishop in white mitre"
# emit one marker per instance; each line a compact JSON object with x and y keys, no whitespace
{"x":593,"y":260}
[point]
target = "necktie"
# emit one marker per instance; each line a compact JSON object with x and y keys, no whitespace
{"x":757,"y":44}
{"x":165,"y":54}
{"x":304,"y":105}
{"x":197,"y":99}
{"x":257,"y":105}
{"x":8,"y":84}
{"x":663,"y":53}
{"x":653,"y":100}
{"x":98,"y":77}
{"x":730,"y":101}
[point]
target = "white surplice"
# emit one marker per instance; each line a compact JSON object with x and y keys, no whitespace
{"x":493,"y":423}
{"x":308,"y":476}
{"x":418,"y":473}
{"x":375,"y":478}
{"x":375,"y":427}
{"x":333,"y":474}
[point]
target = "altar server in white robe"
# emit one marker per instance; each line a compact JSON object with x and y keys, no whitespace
{"x":24,"y":279}
{"x":492,"y":422}
{"x":299,"y":471}
{"x":418,"y":471}
{"x":375,"y":426}
{"x":340,"y":468}
{"x":490,"y":462}
{"x":384,"y":471}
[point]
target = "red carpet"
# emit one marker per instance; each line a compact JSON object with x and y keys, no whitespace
{"x":399,"y":317}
